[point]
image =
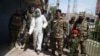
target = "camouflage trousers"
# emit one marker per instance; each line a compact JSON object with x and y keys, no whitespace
{"x":73,"y":52}
{"x":13,"y":37}
{"x":28,"y":40}
{"x":83,"y":45}
{"x":58,"y":46}
{"x":46,"y":41}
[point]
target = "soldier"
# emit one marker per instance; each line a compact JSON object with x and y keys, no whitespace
{"x":82,"y":26}
{"x":71,"y":23}
{"x":50,"y":18}
{"x":74,"y":43}
{"x":15,"y":23}
{"x":28,"y":17}
{"x":46,"y":40}
{"x":28,"y":14}
{"x":57,"y":32}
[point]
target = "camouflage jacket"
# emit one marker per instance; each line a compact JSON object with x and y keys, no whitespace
{"x":58,"y":28}
{"x":82,"y":27}
{"x":28,"y":18}
{"x":15,"y":22}
{"x":74,"y":42}
{"x":70,"y":27}
{"x":48,"y":29}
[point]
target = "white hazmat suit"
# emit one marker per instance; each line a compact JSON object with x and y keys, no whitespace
{"x":37,"y":25}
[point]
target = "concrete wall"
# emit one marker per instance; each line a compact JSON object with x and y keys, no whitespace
{"x":7,"y":7}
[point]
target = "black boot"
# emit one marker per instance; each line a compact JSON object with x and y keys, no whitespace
{"x":60,"y":55}
{"x":53,"y":53}
{"x":26,"y":47}
{"x":38,"y":52}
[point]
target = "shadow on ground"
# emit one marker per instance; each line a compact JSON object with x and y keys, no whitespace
{"x":4,"y":48}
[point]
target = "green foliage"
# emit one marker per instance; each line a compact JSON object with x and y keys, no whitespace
{"x":53,"y":9}
{"x":29,"y":2}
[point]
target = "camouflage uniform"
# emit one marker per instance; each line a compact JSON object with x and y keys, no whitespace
{"x":83,"y":31}
{"x":57,"y":31}
{"x":28,"y":18}
{"x":47,"y":36}
{"x":74,"y":43}
{"x":15,"y":23}
{"x":71,"y":24}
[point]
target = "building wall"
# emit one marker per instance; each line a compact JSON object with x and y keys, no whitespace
{"x":7,"y":8}
{"x":98,"y":6}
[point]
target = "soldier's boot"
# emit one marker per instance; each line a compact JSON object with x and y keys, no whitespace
{"x":26,"y":42}
{"x":84,"y":55}
{"x":53,"y":53}
{"x":60,"y":55}
{"x":83,"y":52}
{"x":46,"y":47}
{"x":83,"y":47}
{"x":26,"y":46}
{"x":38,"y":52}
{"x":22,"y":47}
{"x":76,"y":54}
{"x":12,"y":45}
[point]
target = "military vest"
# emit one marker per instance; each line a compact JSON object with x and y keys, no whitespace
{"x":29,"y":18}
{"x":17,"y":21}
{"x":83,"y":28}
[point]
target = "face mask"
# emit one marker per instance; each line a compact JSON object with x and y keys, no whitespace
{"x":37,"y":13}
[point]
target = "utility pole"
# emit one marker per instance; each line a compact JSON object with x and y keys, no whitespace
{"x":43,"y":1}
{"x":58,"y":1}
{"x":68,"y":16}
{"x":75,"y":7}
{"x":48,"y":7}
{"x":68,"y":11}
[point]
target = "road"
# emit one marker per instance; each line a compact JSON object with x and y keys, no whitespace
{"x":4,"y":51}
{"x":93,"y":49}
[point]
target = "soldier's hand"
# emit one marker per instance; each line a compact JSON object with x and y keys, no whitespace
{"x":84,"y":43}
{"x":48,"y":34}
{"x":28,"y":36}
{"x":18,"y":34}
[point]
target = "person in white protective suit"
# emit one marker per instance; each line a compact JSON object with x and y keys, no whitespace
{"x":37,"y":25}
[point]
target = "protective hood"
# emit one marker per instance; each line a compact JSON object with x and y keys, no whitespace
{"x":37,"y":12}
